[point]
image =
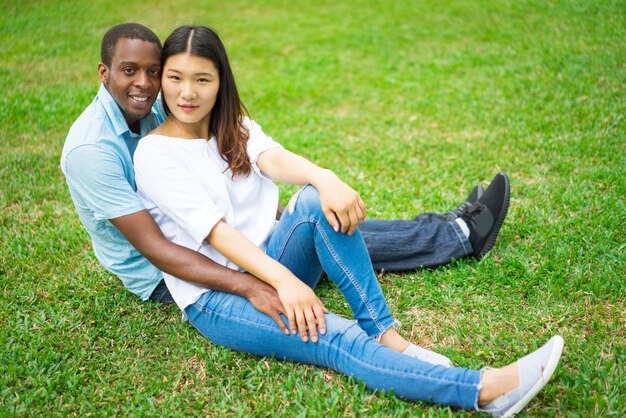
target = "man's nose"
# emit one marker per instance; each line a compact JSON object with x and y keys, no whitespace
{"x":142,"y":79}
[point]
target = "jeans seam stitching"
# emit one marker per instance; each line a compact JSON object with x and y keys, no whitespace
{"x":232,"y":317}
{"x":288,"y":237}
{"x":364,"y":299}
{"x":336,"y":347}
{"x":380,"y":327}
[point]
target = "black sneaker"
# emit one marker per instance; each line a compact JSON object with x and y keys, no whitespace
{"x":485,"y":216}
{"x":474,"y":195}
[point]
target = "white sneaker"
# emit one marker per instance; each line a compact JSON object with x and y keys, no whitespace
{"x":535,"y":369}
{"x":428,"y":356}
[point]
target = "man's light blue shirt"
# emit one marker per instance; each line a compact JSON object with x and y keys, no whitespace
{"x":97,"y":161}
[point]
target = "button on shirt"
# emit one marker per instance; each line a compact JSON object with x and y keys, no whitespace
{"x":97,"y":161}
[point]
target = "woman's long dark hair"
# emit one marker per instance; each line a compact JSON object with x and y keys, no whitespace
{"x":226,"y":122}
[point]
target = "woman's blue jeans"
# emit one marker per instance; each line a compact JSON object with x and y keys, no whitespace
{"x":304,"y":242}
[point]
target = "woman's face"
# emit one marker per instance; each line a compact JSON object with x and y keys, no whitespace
{"x":190,"y":85}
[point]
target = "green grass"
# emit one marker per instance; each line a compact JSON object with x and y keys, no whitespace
{"x":412,"y":103}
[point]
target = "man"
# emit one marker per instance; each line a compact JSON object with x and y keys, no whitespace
{"x":97,"y":161}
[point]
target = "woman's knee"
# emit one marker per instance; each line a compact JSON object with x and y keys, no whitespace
{"x":306,"y":201}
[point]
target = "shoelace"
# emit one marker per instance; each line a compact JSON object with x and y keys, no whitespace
{"x":472,"y":211}
{"x":462,"y":208}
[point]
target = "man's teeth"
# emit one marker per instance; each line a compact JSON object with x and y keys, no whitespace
{"x":139,"y":99}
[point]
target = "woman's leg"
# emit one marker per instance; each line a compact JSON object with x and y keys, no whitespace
{"x":233,"y":322}
{"x":304,"y":242}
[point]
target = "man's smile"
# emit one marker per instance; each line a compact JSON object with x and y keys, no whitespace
{"x":140,"y":99}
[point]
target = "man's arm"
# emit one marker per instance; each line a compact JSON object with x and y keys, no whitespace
{"x":145,"y":235}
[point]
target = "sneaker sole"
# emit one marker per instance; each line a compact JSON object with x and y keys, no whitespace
{"x":553,"y":361}
{"x":493,"y":234}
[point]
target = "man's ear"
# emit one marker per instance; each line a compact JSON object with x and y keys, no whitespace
{"x":103,"y":73}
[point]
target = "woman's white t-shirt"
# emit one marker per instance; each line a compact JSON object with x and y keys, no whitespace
{"x":187,"y":187}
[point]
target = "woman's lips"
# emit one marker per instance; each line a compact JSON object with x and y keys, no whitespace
{"x":187,"y":108}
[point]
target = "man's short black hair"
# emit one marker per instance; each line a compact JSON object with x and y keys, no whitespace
{"x":128,"y":31}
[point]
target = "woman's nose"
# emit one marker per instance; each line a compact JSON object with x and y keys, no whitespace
{"x":188,"y":91}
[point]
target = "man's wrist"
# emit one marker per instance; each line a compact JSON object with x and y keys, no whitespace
{"x":248,"y":285}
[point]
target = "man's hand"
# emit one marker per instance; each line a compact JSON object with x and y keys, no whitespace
{"x":265,"y":299}
{"x":342,"y":205}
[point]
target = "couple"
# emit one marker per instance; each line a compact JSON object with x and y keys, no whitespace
{"x":204,"y":174}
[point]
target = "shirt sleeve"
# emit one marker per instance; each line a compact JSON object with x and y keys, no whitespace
{"x":258,"y":142}
{"x":99,"y":178}
{"x":166,"y":181}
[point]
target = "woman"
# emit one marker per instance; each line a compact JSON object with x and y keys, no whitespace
{"x":206,"y":176}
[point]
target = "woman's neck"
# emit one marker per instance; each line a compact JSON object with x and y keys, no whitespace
{"x":175,"y":128}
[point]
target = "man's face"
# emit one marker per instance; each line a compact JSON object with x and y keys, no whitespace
{"x":134,"y":78}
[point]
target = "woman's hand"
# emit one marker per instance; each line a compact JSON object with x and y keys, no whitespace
{"x":304,"y":309}
{"x":342,"y":205}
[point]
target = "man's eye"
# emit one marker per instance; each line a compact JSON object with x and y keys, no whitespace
{"x":128,"y":71}
{"x":154,"y":73}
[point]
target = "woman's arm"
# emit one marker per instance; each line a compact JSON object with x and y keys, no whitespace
{"x":304,"y":309}
{"x":342,"y":205}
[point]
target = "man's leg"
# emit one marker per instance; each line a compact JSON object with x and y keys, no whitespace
{"x":428,"y":240}
{"x":161,"y":293}
{"x":432,"y":239}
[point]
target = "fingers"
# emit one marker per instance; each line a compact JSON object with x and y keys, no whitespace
{"x":347,"y":215}
{"x":332,"y":219}
{"x":344,"y":220}
{"x":279,"y":321}
{"x":354,"y":222}
{"x":302,"y":325}
{"x":361,"y":205}
{"x":304,"y":310}
{"x":306,"y":322}
{"x":311,"y":324}
{"x":349,"y":220}
{"x":275,"y":312}
{"x":320,"y":310}
{"x":291,"y":317}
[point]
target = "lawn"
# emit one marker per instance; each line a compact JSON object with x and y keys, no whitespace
{"x":412,"y":103}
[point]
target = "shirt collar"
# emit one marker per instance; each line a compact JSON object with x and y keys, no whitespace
{"x":117,"y":117}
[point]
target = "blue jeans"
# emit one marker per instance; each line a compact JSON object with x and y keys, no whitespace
{"x":428,"y":240}
{"x":305,"y":243}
